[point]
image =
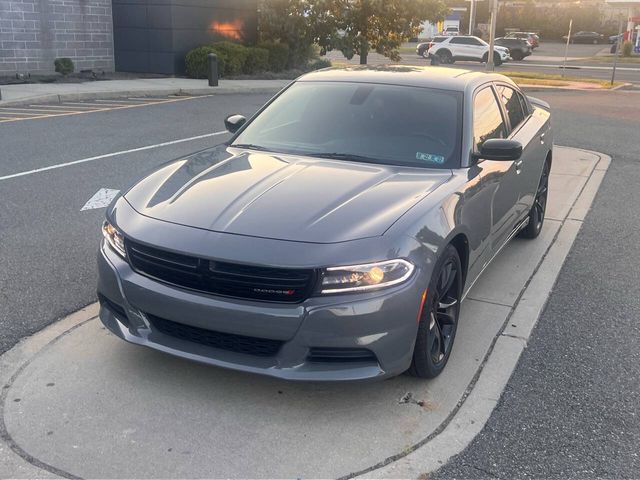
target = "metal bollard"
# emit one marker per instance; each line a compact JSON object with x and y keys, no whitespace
{"x":213,"y":70}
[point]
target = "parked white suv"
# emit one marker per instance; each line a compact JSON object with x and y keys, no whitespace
{"x":469,"y":48}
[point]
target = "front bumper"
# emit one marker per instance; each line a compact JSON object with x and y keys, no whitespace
{"x":383,"y":323}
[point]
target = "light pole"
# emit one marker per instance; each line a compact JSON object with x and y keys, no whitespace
{"x":566,"y":48}
{"x":492,"y":34}
{"x":472,"y":16}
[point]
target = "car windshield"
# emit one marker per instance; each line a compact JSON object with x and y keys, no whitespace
{"x":373,"y":123}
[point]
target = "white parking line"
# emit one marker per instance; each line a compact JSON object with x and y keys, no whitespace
{"x":101,"y":199}
{"x":109,"y":155}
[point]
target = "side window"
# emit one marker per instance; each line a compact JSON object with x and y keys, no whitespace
{"x":487,"y":118}
{"x":458,"y":41}
{"x":525,"y":105}
{"x":511,"y":101}
{"x":473,"y":41}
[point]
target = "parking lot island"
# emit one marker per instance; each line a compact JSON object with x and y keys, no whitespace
{"x":77,"y":402}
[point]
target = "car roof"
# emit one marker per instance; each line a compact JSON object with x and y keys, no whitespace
{"x":406,"y":75}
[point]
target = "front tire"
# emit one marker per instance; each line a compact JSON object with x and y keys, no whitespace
{"x":439,"y":319}
{"x":536,"y":214}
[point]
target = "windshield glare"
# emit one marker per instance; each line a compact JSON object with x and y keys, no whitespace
{"x":386,"y":124}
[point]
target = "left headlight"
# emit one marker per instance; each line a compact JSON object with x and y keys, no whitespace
{"x":114,"y":238}
{"x":370,"y":276}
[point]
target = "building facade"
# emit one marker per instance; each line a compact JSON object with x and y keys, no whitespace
{"x":150,"y":36}
{"x":33,"y":33}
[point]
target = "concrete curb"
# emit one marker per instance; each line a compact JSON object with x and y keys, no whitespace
{"x":544,"y":88}
{"x":483,"y":395}
{"x":107,"y":95}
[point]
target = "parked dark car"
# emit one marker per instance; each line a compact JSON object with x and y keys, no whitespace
{"x":532,"y":38}
{"x":586,"y":37}
{"x":518,"y":48}
{"x":423,"y":48}
{"x":335,"y":235}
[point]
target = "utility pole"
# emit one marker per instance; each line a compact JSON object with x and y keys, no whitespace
{"x":492,"y":34}
{"x":618,"y":47}
{"x":566,"y":48}
{"x":472,"y":17}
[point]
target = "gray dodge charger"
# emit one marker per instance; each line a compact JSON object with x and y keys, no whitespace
{"x":336,"y":234}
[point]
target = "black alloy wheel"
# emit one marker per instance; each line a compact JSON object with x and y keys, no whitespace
{"x":536,"y":214}
{"x":439,"y":319}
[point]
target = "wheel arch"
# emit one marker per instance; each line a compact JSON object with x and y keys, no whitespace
{"x":461,"y":243}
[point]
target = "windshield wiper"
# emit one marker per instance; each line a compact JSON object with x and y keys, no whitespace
{"x":343,"y":156}
{"x":249,"y":146}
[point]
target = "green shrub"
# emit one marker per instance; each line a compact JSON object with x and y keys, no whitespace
{"x":257,"y":60}
{"x":301,"y":55}
{"x":320,"y":63}
{"x":278,"y":55}
{"x":627,"y":48}
{"x":233,"y":55}
{"x":197,"y":62}
{"x":64,"y":66}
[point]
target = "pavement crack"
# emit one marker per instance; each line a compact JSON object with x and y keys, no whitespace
{"x":485,"y":471}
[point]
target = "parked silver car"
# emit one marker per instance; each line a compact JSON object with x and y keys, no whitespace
{"x":337,"y":232}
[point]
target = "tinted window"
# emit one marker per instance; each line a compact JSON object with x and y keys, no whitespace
{"x":389,"y":124}
{"x":512,"y":105}
{"x":487,"y":118}
{"x":459,"y":41}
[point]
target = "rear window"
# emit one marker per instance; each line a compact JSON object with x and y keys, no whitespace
{"x":372,"y":123}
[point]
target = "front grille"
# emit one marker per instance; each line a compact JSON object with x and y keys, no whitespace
{"x":262,"y":347}
{"x":222,"y":278}
{"x":318,"y":354}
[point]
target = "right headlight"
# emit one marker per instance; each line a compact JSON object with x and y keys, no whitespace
{"x":370,"y":276}
{"x":114,"y":238}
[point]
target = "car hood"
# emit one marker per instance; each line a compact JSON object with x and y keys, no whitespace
{"x":282,"y":196}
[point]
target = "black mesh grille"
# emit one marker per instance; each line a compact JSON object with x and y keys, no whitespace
{"x":222,"y":278}
{"x":341,"y":355}
{"x":262,"y":347}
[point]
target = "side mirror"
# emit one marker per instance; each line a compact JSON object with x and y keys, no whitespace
{"x":500,"y":149}
{"x":233,"y":123}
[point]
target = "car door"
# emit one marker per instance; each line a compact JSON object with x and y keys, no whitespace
{"x":529,"y":166}
{"x":459,"y":48}
{"x":476,"y":48}
{"x":499,"y":178}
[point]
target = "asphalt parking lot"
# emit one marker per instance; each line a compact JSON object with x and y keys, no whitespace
{"x":47,"y":271}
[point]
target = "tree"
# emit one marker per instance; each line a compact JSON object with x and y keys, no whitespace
{"x":355,"y":27}
{"x":300,"y":24}
{"x":379,"y":25}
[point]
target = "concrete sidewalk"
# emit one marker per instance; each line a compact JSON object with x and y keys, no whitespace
{"x":24,"y":94}
{"x":78,"y":402}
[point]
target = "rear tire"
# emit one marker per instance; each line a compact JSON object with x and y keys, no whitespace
{"x":445,"y":57}
{"x":439,"y":319}
{"x":536,"y":214}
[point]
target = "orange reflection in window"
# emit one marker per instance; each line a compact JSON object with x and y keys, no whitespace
{"x":231,"y":30}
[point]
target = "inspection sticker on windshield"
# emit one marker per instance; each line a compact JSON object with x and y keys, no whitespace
{"x":430,"y":157}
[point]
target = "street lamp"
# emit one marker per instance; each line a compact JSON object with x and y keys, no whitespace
{"x":492,"y":34}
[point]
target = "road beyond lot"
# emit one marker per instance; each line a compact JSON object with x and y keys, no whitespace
{"x":188,"y":420}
